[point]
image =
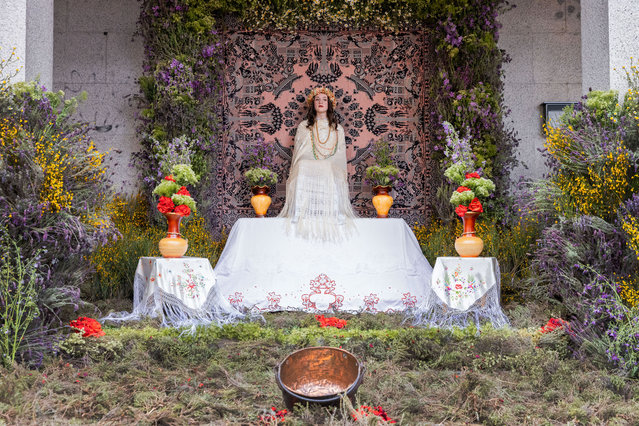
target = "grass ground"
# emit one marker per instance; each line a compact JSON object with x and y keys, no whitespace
{"x":142,"y":373}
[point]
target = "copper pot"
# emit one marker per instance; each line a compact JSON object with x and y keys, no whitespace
{"x":321,"y":375}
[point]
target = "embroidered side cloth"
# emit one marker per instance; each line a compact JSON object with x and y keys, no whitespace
{"x":463,"y":289}
{"x":188,"y":280}
{"x":181,"y":291}
{"x":459,"y":282}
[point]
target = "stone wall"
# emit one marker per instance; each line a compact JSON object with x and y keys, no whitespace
{"x":543,"y":38}
{"x":95,"y":51}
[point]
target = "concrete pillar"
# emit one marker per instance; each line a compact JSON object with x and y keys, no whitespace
{"x":27,"y":26}
{"x":13,"y":34}
{"x":595,"y":58}
{"x":610,"y":37}
{"x":39,"y":42}
{"x":623,"y":19}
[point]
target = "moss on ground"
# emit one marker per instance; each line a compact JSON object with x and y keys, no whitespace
{"x":143,"y":373}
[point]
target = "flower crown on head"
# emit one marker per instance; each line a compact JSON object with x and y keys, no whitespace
{"x":324,"y":90}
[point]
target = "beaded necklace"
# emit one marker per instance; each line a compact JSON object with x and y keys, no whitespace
{"x":319,"y":146}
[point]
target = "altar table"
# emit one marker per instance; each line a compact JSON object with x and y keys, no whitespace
{"x":265,"y":267}
{"x":463,"y":289}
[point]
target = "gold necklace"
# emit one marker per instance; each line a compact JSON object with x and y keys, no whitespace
{"x":319,"y":140}
{"x":317,"y":149}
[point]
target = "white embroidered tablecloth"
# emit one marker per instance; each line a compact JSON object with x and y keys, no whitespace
{"x":379,"y":268}
{"x":180,"y":290}
{"x":463,"y":289}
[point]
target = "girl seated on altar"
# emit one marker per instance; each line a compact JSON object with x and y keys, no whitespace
{"x":317,"y":199}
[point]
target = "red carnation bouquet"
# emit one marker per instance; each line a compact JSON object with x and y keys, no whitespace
{"x":88,"y":326}
{"x":461,"y":170}
{"x":174,"y":197}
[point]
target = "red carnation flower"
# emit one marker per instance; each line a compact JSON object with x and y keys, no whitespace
{"x":169,"y":177}
{"x":462,"y":189}
{"x":182,"y":209}
{"x":183,"y":191}
{"x":553,"y":324}
{"x":461,"y":210}
{"x":330,"y":321}
{"x":475,"y":206}
{"x":472,"y":175}
{"x":88,"y":326}
{"x":165,"y":205}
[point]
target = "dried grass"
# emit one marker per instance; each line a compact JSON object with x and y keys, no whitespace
{"x":498,"y":377}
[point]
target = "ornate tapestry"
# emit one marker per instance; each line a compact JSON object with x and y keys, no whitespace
{"x":380,"y":82}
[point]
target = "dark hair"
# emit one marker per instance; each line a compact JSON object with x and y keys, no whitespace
{"x":330,"y":115}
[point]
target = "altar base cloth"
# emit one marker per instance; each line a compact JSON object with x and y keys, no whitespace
{"x":380,"y":268}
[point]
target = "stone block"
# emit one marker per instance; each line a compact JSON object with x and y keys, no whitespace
{"x":557,"y":58}
{"x":532,"y":16}
{"x":59,"y":61}
{"x":573,"y":16}
{"x":84,"y":58}
{"x":109,"y":107}
{"x":120,"y":147}
{"x":60,"y":15}
{"x":101,"y":15}
{"x":520,"y":49}
{"x":124,"y":58}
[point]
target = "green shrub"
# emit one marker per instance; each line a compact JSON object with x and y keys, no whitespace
{"x":18,"y":297}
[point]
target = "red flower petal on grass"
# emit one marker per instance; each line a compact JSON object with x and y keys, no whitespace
{"x":462,"y":189}
{"x":330,"y":321}
{"x":88,"y":326}
{"x":472,"y":175}
{"x":553,"y":324}
{"x":169,"y":177}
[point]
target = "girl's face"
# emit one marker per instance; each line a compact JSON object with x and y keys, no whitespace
{"x":320,"y":102}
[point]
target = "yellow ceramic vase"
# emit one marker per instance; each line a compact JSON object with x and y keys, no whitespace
{"x":260,"y":200}
{"x":469,"y":244}
{"x":173,"y":245}
{"x":382,"y":200}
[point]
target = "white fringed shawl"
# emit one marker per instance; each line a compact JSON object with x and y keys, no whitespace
{"x":317,"y":200}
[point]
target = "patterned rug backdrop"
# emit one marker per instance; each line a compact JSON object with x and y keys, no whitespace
{"x":380,"y":82}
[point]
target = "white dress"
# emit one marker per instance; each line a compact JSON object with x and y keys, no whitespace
{"x":317,"y":199}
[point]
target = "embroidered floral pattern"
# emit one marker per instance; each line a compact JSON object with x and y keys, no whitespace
{"x":370,"y":301}
{"x":322,"y":292}
{"x":457,"y":286}
{"x":408,"y":300}
{"x":273,"y":301}
{"x":190,"y":282}
{"x":236,"y":299}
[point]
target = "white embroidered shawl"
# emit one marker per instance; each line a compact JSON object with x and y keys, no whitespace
{"x":317,"y":200}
